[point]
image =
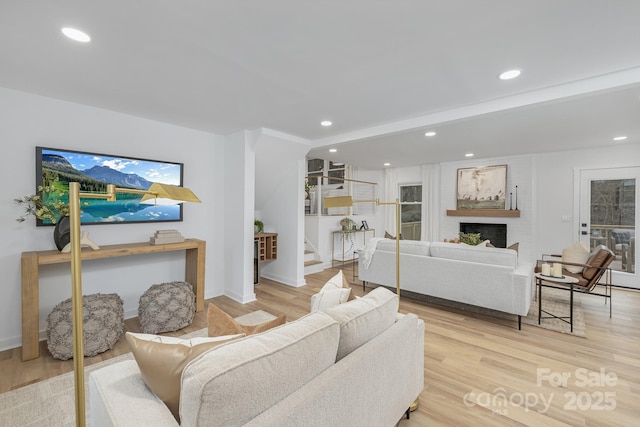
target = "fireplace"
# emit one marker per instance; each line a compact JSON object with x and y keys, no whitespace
{"x":496,"y":233}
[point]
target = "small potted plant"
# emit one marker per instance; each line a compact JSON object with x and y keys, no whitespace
{"x":348,"y":224}
{"x":258,"y":226}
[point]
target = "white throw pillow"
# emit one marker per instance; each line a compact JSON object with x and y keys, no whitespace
{"x":341,"y":292}
{"x":577,"y":253}
{"x":338,"y":281}
{"x":329,"y":298}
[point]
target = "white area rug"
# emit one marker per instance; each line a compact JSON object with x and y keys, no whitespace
{"x":52,"y":402}
{"x":557,"y":302}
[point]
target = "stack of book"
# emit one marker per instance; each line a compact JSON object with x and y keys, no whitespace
{"x":162,"y":237}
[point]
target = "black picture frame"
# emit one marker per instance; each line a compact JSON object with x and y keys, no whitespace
{"x":94,"y":171}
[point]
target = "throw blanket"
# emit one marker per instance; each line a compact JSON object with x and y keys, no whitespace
{"x":368,"y":251}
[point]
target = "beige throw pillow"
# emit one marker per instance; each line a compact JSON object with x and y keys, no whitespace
{"x":220,"y":323}
{"x":577,"y":253}
{"x":162,"y":359}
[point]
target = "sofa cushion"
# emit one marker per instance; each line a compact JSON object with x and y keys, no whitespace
{"x":364,"y":318}
{"x":413,"y":247}
{"x":162,"y":359}
{"x":577,"y":253}
{"x":233,"y":383}
{"x":491,"y":256}
{"x":220,"y":323}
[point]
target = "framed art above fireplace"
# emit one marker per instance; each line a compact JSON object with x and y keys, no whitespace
{"x":482,"y":187}
{"x":57,"y":167}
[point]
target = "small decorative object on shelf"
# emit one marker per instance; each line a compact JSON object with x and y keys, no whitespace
{"x":84,"y":241}
{"x":258,"y":226}
{"x":162,"y":237}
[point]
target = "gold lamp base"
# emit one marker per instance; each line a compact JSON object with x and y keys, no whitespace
{"x":414,"y":405}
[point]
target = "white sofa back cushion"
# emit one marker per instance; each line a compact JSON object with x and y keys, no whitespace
{"x":482,"y":255}
{"x":414,"y":247}
{"x":364,"y":318}
{"x":231,"y":384}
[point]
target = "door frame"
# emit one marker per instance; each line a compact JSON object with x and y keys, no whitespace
{"x":623,"y":278}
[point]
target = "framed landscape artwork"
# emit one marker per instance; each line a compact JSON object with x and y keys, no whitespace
{"x":482,"y":188}
{"x":94,"y":171}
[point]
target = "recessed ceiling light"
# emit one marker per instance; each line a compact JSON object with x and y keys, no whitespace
{"x":326,"y":123}
{"x":430,"y":133}
{"x":508,"y":75}
{"x":469,"y":155}
{"x":76,"y":35}
{"x":332,"y":150}
{"x":619,"y":138}
{"x":387,"y":164}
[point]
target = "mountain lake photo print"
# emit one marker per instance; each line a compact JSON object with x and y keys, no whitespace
{"x":94,"y":171}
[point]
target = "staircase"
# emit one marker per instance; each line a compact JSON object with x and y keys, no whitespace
{"x":312,"y":259}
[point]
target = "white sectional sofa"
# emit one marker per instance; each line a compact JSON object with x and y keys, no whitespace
{"x":357,"y":364}
{"x":493,"y":278}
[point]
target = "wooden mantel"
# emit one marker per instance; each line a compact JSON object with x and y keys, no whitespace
{"x":484,"y":212}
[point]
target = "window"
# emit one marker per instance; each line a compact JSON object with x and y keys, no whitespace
{"x":411,"y":211}
{"x":315,"y":167}
{"x":320,"y":167}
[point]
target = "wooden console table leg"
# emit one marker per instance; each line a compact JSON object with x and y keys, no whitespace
{"x":30,"y":306}
{"x":194,"y":272}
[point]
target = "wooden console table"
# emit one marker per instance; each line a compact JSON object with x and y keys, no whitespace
{"x":31,"y":262}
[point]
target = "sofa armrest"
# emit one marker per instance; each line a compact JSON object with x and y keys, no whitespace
{"x":119,"y":397}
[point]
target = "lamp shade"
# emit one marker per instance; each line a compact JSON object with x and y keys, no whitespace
{"x":164,"y":194}
{"x":338,"y":202}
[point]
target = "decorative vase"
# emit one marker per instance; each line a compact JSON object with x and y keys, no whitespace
{"x":62,"y":232}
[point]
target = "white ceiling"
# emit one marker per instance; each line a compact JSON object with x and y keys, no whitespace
{"x":383,"y":71}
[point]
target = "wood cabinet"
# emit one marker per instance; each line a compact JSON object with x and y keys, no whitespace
{"x":267,"y":246}
{"x":267,"y":250}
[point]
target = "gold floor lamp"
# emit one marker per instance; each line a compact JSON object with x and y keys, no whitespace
{"x":159,"y":194}
{"x":347,"y":201}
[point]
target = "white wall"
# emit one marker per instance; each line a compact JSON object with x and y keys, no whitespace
{"x":554,"y":190}
{"x":29,"y":121}
{"x":280,"y":171}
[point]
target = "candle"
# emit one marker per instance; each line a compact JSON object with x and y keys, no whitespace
{"x":557,"y":270}
{"x":546,"y":269}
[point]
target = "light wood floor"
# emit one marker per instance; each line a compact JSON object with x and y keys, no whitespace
{"x":479,"y":370}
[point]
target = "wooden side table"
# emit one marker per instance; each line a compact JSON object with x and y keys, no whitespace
{"x":564,"y":283}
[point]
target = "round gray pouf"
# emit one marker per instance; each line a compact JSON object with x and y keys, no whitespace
{"x":102,"y":325}
{"x":166,"y":307}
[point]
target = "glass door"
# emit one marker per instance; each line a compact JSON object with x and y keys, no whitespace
{"x":608,"y":216}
